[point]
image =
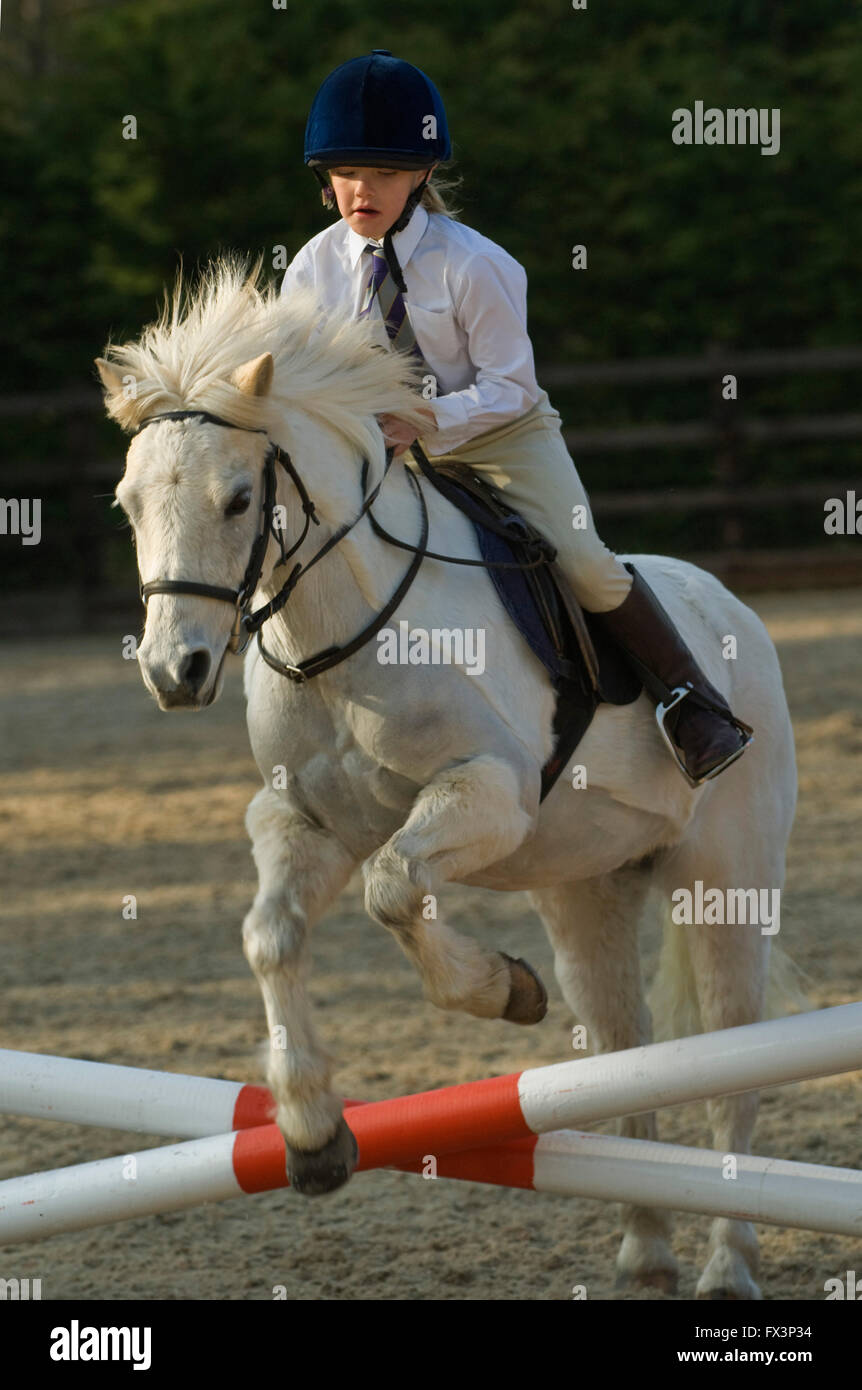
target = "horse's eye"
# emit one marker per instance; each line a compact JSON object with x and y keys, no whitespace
{"x":239,"y":504}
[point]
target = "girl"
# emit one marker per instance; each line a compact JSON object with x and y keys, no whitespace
{"x":376,"y":131}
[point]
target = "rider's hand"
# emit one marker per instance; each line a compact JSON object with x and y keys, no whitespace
{"x":400,"y":433}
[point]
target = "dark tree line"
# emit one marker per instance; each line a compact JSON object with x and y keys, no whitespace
{"x":561,"y":120}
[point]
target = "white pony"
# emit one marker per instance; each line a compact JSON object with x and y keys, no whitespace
{"x":429,"y":774}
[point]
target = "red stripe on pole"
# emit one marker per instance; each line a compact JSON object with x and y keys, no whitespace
{"x":470,"y":1116}
{"x":259,"y":1155}
{"x":508,"y":1165}
{"x":259,"y":1159}
{"x":399,"y":1133}
{"x":254,"y":1106}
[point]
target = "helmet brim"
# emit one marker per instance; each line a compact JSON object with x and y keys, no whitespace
{"x":369,"y":159}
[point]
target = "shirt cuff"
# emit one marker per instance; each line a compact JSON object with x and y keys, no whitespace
{"x":453,"y":425}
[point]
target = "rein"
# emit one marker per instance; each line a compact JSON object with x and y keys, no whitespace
{"x":247,"y":623}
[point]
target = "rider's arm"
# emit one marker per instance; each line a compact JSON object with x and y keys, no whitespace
{"x":490,"y":303}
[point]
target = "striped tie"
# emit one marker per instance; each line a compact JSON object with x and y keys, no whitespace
{"x":393,"y":310}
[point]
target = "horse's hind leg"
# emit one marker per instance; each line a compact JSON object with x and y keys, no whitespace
{"x":593,"y":928}
{"x":467,"y":817}
{"x":301,"y":868}
{"x":730,"y":966}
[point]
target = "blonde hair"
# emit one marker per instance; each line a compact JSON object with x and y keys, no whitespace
{"x":435,"y":194}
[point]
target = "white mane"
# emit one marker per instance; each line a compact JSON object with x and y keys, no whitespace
{"x":324,"y":367}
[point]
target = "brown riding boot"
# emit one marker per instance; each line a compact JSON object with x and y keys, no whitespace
{"x":695,"y":720}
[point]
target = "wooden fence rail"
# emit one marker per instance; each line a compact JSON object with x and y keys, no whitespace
{"x":726,"y":430}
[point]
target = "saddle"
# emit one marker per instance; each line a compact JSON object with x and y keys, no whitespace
{"x":585,"y":667}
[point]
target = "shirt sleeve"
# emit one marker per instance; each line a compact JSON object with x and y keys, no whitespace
{"x":299,"y":274}
{"x":491,"y":309}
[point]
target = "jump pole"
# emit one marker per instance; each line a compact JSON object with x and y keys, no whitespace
{"x":595,"y":1166}
{"x":476,"y":1114}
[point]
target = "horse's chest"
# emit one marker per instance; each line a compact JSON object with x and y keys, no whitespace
{"x":324,"y":769}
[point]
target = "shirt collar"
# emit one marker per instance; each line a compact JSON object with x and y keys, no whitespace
{"x":404,"y":242}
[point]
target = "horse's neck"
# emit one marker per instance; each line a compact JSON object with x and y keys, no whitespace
{"x":358,"y":575}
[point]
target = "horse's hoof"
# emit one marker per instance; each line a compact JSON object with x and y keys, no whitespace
{"x":528,"y":998}
{"x":730,"y":1295}
{"x":663,"y":1280}
{"x":728,"y":1277}
{"x":323,"y":1170}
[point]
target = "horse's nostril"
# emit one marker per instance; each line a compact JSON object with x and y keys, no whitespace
{"x":194,"y":669}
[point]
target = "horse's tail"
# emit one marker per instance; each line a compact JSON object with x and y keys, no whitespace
{"x":673,"y":994}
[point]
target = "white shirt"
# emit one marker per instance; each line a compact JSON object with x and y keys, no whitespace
{"x":467,"y":303}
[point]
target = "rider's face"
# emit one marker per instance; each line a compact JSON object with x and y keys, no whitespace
{"x":370,"y":200}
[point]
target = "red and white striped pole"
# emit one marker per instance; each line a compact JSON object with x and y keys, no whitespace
{"x":476,"y":1114}
{"x":568,"y":1163}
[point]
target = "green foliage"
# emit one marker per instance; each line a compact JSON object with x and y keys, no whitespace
{"x":561,"y":123}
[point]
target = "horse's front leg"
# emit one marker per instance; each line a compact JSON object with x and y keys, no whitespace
{"x":467,"y":817}
{"x":301,"y":869}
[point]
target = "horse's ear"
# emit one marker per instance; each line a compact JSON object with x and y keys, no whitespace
{"x":255,"y":377}
{"x":112,"y":379}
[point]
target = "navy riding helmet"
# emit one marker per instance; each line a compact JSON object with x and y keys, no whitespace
{"x":377,"y":111}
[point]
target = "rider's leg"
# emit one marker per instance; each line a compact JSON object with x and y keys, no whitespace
{"x":527,"y":460}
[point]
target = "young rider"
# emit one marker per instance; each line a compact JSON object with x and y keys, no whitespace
{"x":376,"y":131}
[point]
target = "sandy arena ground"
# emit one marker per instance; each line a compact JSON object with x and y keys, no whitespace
{"x":101,"y":796}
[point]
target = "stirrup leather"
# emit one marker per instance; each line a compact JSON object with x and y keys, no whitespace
{"x":663,"y":709}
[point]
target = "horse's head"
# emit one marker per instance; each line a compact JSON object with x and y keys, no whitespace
{"x":207,"y":408}
{"x":193,"y":491}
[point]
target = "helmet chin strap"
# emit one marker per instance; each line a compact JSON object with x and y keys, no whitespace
{"x":326,"y":186}
{"x":398,"y":225}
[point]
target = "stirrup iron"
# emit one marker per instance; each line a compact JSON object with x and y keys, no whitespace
{"x":663,"y":709}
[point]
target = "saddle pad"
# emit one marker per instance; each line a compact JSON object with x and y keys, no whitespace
{"x":515,"y":596}
{"x":618,"y":683}
{"x":576,"y":699}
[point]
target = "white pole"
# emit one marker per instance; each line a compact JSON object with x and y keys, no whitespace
{"x":564,"y":1095}
{"x":811,"y":1196}
{"x":131,"y":1098}
{"x":117,"y":1189}
{"x":749,"y":1058}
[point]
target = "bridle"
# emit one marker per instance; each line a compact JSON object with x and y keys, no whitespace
{"x":246,"y":623}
